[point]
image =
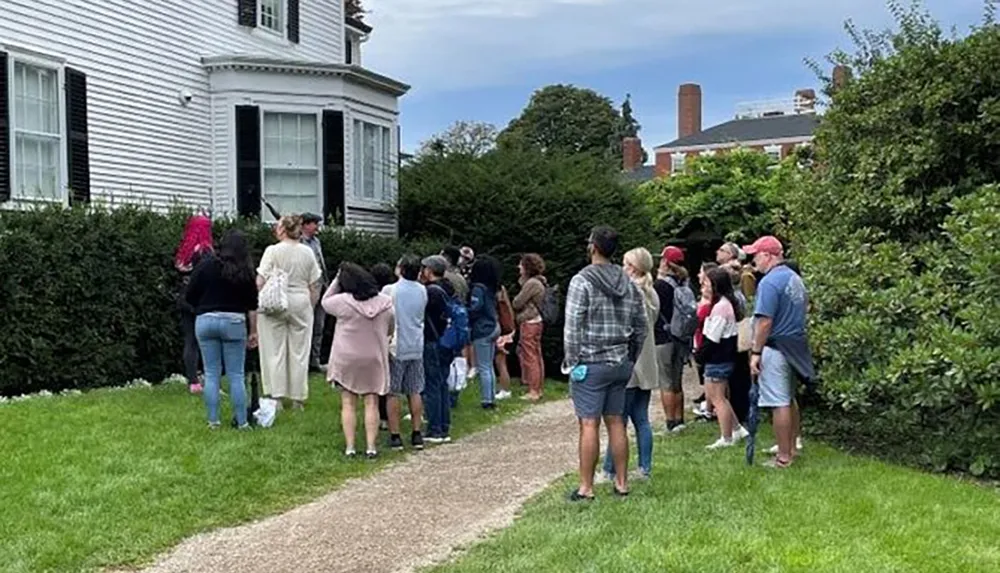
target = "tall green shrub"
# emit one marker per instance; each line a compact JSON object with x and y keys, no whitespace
{"x":897,"y":236}
{"x":89,"y":296}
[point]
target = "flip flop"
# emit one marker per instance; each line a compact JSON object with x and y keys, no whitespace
{"x":575,"y":496}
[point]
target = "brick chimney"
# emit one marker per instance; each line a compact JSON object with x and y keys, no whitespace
{"x":688,"y":110}
{"x":841,"y":75}
{"x":631,"y":153}
{"x":805,"y":101}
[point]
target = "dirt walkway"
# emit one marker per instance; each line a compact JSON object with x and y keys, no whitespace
{"x":410,"y":514}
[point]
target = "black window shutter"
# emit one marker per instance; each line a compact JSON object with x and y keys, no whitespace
{"x":248,"y":161}
{"x":246,"y":13}
{"x":78,"y":145}
{"x":349,"y":47}
{"x":4,"y":132}
{"x":334,"y":200}
{"x":293,"y":21}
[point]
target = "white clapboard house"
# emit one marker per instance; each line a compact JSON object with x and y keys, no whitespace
{"x":205,"y":103}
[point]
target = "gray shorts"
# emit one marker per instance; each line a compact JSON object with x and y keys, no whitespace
{"x":670,"y":359}
{"x":406,"y":377}
{"x":777,"y":384}
{"x":602,"y":391}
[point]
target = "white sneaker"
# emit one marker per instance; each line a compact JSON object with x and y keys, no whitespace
{"x":798,"y":446}
{"x":740,"y":433}
{"x":721,"y":443}
{"x":503,"y":395}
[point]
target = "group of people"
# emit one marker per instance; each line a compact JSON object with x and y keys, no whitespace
{"x":397,"y":336}
{"x":403,"y":333}
{"x":628,"y":333}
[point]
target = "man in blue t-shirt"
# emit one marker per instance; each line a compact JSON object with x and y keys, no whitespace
{"x":780,"y":352}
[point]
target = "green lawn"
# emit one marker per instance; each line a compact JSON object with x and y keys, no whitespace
{"x":115,"y":477}
{"x":709,"y":512}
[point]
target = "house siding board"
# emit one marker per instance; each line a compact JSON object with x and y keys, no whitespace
{"x":382,"y":223}
{"x":143,"y":144}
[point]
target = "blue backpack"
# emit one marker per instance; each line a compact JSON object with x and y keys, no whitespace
{"x":456,"y":335}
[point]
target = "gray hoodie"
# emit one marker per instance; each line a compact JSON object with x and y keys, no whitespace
{"x":605,"y":319}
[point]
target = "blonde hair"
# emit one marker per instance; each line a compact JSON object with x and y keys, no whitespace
{"x":641,"y":260}
{"x":291,"y":225}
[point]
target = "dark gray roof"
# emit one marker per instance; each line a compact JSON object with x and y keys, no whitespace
{"x":753,"y":129}
{"x":640,"y":174}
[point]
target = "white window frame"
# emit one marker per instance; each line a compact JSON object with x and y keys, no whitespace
{"x":264,"y":167}
{"x":282,"y":17}
{"x":57,"y":65}
{"x":385,"y":176}
{"x":774,"y":152}
{"x":678,"y":162}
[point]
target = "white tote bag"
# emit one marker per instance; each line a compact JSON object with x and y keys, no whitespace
{"x":273,"y":298}
{"x":267,"y":412}
{"x":457,"y":380}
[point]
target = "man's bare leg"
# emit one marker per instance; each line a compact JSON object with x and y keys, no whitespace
{"x":784,"y":431}
{"x":590,"y":446}
{"x":393,"y":407}
{"x":416,"y":412}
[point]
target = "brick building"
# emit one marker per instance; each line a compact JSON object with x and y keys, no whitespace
{"x":772,"y":127}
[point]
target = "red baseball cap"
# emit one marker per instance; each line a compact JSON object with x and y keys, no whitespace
{"x":672,"y":254}
{"x":766,"y":244}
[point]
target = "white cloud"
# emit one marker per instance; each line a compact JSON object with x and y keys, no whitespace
{"x":455,"y":44}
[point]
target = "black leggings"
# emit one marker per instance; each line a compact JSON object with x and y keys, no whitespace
{"x":192,"y":355}
{"x":383,"y":412}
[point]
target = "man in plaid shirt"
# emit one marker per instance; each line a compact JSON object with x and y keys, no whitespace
{"x":604,"y":331}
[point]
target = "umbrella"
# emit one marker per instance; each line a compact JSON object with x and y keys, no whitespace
{"x":753,"y":419}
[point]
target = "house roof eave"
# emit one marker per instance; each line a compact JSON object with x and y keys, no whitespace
{"x":352,"y":72}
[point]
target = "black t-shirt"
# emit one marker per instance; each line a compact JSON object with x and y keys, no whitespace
{"x":436,"y":314}
{"x":209,"y":291}
{"x":665,"y":292}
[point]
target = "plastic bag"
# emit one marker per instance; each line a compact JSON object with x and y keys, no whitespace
{"x":457,"y":376}
{"x":267,"y":412}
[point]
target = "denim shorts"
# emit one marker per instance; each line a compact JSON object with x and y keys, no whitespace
{"x":777,"y":385}
{"x":719,"y":372}
{"x":602,"y":390}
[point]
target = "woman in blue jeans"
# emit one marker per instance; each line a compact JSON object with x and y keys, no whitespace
{"x":484,"y":323}
{"x":638,"y":265}
{"x":223,"y":292}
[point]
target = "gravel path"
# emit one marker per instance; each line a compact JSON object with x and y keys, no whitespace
{"x":411,"y":514}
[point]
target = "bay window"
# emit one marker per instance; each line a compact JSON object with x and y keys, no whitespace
{"x":291,"y":163}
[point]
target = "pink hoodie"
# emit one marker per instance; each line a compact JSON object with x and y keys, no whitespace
{"x":359,"y":359}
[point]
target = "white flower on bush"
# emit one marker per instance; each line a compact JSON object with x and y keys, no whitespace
{"x":175,"y":379}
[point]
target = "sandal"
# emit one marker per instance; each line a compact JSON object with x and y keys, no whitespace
{"x":778,"y":463}
{"x":618,"y":492}
{"x":575,"y":495}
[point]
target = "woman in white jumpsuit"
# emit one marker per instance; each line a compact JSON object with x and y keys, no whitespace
{"x":285,"y":339}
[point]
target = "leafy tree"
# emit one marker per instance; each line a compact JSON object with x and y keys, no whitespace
{"x":896,"y":235}
{"x":566,"y":119}
{"x":472,"y":138}
{"x":628,"y":126}
{"x":730,"y":197}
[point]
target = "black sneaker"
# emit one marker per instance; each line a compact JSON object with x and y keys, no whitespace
{"x":489,"y":406}
{"x":417,"y":440}
{"x":395,"y":442}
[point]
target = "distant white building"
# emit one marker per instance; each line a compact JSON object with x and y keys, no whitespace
{"x":202,"y":102}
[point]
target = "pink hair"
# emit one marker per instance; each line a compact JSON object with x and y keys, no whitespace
{"x":197,"y":238}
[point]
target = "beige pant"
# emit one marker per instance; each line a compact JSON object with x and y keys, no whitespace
{"x":285,"y":341}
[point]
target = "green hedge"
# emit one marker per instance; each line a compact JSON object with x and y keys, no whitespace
{"x":88,"y":296}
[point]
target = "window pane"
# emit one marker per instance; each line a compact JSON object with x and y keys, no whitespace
{"x":37,"y":166}
{"x":369,"y":161}
{"x":387,"y":168}
{"x":292,"y":191}
{"x":308,"y":133}
{"x":357,"y":135}
{"x":270,"y":14}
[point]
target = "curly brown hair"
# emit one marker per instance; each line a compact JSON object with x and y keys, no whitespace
{"x":533,"y":265}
